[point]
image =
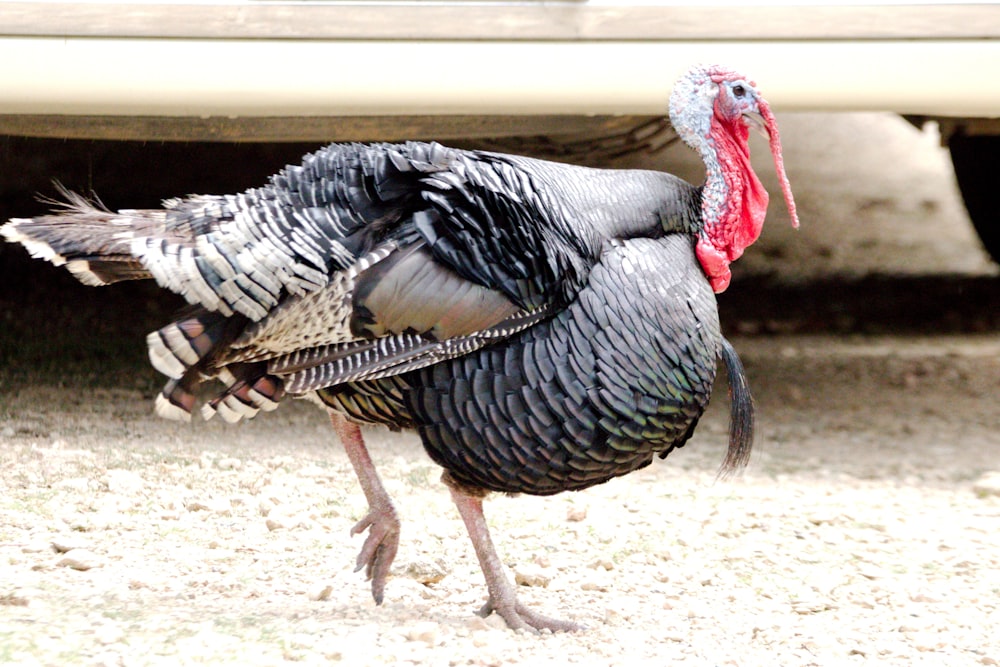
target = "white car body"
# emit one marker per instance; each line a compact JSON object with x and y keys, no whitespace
{"x":363,"y":70}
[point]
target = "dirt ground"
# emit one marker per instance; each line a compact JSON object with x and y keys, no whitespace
{"x":865,"y":531}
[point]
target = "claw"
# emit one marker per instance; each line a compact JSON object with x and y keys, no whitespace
{"x":379,"y":549}
{"x":519,"y":617}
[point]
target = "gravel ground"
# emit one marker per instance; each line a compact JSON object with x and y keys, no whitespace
{"x":866,"y":530}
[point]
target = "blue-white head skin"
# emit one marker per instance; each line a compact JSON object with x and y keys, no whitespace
{"x":712,"y":109}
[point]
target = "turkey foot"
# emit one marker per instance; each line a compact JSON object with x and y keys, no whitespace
{"x":381,"y":522}
{"x":503,"y":595}
{"x":379,"y":549}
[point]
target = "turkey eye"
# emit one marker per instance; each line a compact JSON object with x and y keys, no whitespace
{"x":739,"y":91}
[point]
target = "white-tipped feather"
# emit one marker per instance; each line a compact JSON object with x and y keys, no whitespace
{"x":164,"y":408}
{"x":226,"y":377}
{"x":40,"y":250}
{"x":80,"y":268}
{"x":237,"y":405}
{"x":262,"y":401}
{"x":178,"y":344}
{"x":162,"y":358}
{"x":226,"y":411}
{"x":9,"y":230}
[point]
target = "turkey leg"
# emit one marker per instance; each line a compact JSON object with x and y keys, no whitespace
{"x":503,"y":596}
{"x":381,"y":522}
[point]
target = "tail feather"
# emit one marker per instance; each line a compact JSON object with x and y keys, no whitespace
{"x":250,"y":390}
{"x":176,"y":400}
{"x":92,"y":242}
{"x":184,"y":344}
{"x":741,"y":415}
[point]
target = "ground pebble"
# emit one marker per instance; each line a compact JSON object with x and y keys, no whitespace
{"x":426,"y":572}
{"x":321,"y":593}
{"x":81,"y":559}
{"x":64,"y":543}
{"x":527,"y":575}
{"x":213,"y":505}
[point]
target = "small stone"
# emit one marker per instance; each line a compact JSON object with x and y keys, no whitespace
{"x":321,"y":593}
{"x":663,"y":554}
{"x":869,"y":571}
{"x":603,"y":564}
{"x":241,"y":500}
{"x":594,"y":586}
{"x":13,"y":600}
{"x":285,"y":521}
{"x":65,"y":543}
{"x":576,"y":514}
{"x":823,"y":517}
{"x":210,"y":505}
{"x":81,"y":559}
{"x":426,"y":572}
{"x":7,"y":432}
{"x":526,"y":575}
{"x":38,"y":547}
{"x":806,"y":606}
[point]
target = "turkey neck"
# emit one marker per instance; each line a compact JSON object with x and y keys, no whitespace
{"x":733,"y":202}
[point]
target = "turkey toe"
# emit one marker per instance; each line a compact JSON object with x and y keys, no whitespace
{"x":379,"y":549}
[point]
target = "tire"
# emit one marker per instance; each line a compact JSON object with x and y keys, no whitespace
{"x":976,"y":159}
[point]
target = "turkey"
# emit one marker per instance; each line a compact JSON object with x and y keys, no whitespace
{"x":544,"y":327}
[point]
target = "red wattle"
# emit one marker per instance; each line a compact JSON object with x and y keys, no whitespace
{"x":715,"y":265}
{"x":742,"y":218}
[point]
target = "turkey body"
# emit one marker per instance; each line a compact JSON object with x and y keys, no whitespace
{"x":544,"y":327}
{"x":620,"y":375}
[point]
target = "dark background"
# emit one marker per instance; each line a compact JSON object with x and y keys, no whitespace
{"x":54,"y":327}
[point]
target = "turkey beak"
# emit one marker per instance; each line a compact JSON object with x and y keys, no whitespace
{"x":765,"y":119}
{"x":756,"y":122}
